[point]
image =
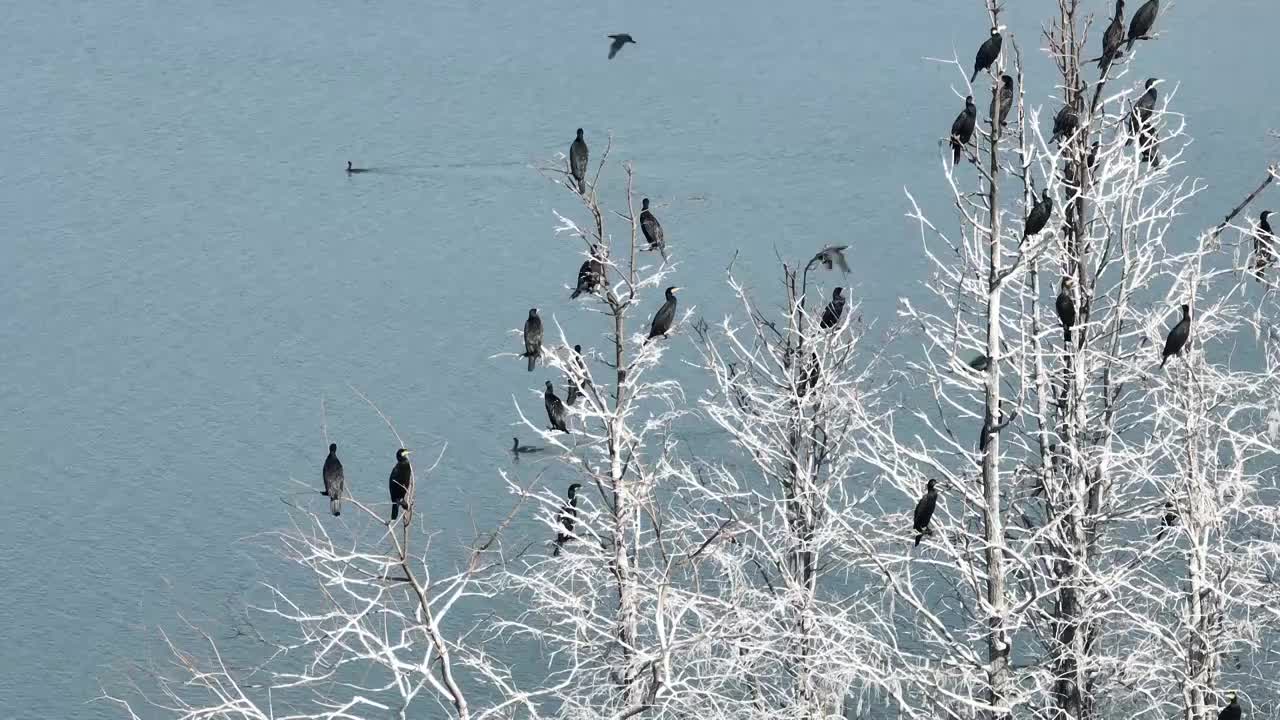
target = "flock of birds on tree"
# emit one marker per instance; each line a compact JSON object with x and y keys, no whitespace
{"x":591,"y":274}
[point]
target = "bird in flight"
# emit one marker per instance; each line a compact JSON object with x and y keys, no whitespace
{"x":618,"y":41}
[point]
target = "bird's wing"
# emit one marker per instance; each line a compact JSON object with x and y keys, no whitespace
{"x":614,"y":48}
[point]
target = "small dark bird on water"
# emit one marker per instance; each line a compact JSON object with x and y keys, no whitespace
{"x":555,"y":409}
{"x":1064,"y":124}
{"x":568,"y":519}
{"x":651,"y":228}
{"x":962,"y":129}
{"x":578,"y":155}
{"x":924,"y":510}
{"x":401,"y":485}
{"x":333,"y":479}
{"x":618,"y":41}
{"x":987,"y":53}
{"x":835,"y":308}
{"x":519,"y":449}
{"x":1264,"y":244}
{"x":590,"y":274}
{"x":1003,"y":102}
{"x":1142,"y":22}
{"x":1177,"y":338}
{"x":1039,"y":215}
{"x":1232,"y":711}
{"x":1066,"y":307}
{"x":665,"y":317}
{"x":832,"y":257}
{"x":354,"y":170}
{"x":1112,"y":39}
{"x":532,"y":338}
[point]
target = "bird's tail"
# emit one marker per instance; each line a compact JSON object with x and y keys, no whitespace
{"x":560,"y":538}
{"x":395,"y":510}
{"x":576,"y":292}
{"x":1066,"y":334}
{"x":974,"y":76}
{"x":582,"y":187}
{"x":335,"y":506}
{"x":533,"y":360}
{"x":919,"y":537}
{"x":1164,"y":360}
{"x":955,"y":151}
{"x":325,"y":492}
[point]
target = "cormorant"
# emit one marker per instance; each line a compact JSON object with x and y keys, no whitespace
{"x":353,"y":170}
{"x":578,"y":154}
{"x":1039,"y":215}
{"x":962,"y":128}
{"x":924,"y":511}
{"x":1232,"y":711}
{"x":401,"y":484}
{"x":568,"y":518}
{"x":1264,"y":244}
{"x":651,"y":228}
{"x":1177,"y":338}
{"x":532,"y":338}
{"x":519,"y":449}
{"x":980,"y":363}
{"x":1066,"y":307}
{"x":833,"y":256}
{"x":618,"y":41}
{"x":590,"y":273}
{"x":666,"y":315}
{"x":1142,"y":21}
{"x":1140,"y":116}
{"x":1003,"y":103}
{"x":574,"y":393}
{"x":555,"y":409}
{"x":1064,"y":124}
{"x":835,"y":308}
{"x":333,"y":479}
{"x":1112,"y":39}
{"x":987,"y":53}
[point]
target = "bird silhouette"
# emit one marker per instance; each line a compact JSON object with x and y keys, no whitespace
{"x":555,"y":409}
{"x":988,"y":51}
{"x":1039,"y":215}
{"x":532,"y":338}
{"x":1142,"y":22}
{"x":1112,"y":39}
{"x":835,"y":308}
{"x":401,"y":485}
{"x":651,"y":228}
{"x":333,"y":479}
{"x":578,"y":156}
{"x":1066,"y":307}
{"x":962,"y":129}
{"x":618,"y":41}
{"x":590,"y":274}
{"x":568,"y":518}
{"x":1177,"y":338}
{"x":924,"y":510}
{"x":665,"y":317}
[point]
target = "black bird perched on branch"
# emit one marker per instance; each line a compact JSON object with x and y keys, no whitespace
{"x":1039,"y":215}
{"x":832,"y":257}
{"x":1143,"y":20}
{"x":555,"y":409}
{"x":1264,"y":244}
{"x":988,"y":51}
{"x":519,"y":449}
{"x":980,"y":363}
{"x":924,"y":510}
{"x":568,"y":518}
{"x":354,"y":170}
{"x":574,"y":393}
{"x":333,"y":479}
{"x":651,"y":228}
{"x":1232,"y":711}
{"x":401,"y":485}
{"x":532,"y":338}
{"x":1112,"y":39}
{"x":835,"y":308}
{"x":962,"y":128}
{"x":590,"y":273}
{"x":665,"y":317}
{"x":1064,"y":124}
{"x":578,"y":154}
{"x":1003,"y":103}
{"x":1140,"y":116}
{"x":618,"y":41}
{"x":1066,"y":307}
{"x":1177,"y":338}
{"x":1170,"y":519}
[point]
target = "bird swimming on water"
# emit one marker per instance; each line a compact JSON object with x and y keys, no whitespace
{"x":1066,"y":307}
{"x":1177,"y":337}
{"x":651,"y":228}
{"x":578,"y":154}
{"x":665,"y":317}
{"x":532,"y":338}
{"x":962,"y":129}
{"x":924,"y":510}
{"x":555,"y":409}
{"x":568,"y":518}
{"x":618,"y":41}
{"x":401,"y":485}
{"x":1232,"y":711}
{"x":1039,"y":215}
{"x":1264,"y":244}
{"x":1142,"y":22}
{"x":590,"y":273}
{"x":519,"y":449}
{"x":353,"y":170}
{"x":988,"y":51}
{"x":333,"y":479}
{"x":1112,"y":39}
{"x":835,"y":308}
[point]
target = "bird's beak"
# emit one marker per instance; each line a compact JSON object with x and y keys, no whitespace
{"x":408,"y":452}
{"x":675,"y":289}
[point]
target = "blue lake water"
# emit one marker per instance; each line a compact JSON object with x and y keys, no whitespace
{"x":186,"y":272}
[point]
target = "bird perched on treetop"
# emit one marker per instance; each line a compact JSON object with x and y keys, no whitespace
{"x":590,"y":273}
{"x":618,"y":41}
{"x":1177,"y":338}
{"x":578,"y":154}
{"x":1140,"y":116}
{"x":924,"y":510}
{"x":665,"y":317}
{"x":401,"y":485}
{"x":333,"y":479}
{"x":835,"y":308}
{"x":1112,"y":39}
{"x":532,"y":338}
{"x":1142,"y":22}
{"x":962,"y":129}
{"x":1066,"y":307}
{"x":988,"y":51}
